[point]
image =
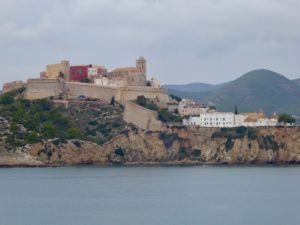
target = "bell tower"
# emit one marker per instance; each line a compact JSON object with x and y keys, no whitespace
{"x":141,"y":64}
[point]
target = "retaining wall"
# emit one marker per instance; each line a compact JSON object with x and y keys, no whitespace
{"x":43,"y":88}
{"x":141,"y":117}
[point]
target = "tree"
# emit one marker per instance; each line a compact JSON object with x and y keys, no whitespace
{"x":286,"y":118}
{"x":141,"y":100}
{"x":235,"y":110}
{"x":85,"y":80}
{"x":61,"y":75}
{"x":6,"y":99}
{"x":112,"y":101}
{"x":75,"y":133}
{"x":177,"y":98}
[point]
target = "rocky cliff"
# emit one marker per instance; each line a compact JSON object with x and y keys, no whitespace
{"x":176,"y":146}
{"x":58,"y":132}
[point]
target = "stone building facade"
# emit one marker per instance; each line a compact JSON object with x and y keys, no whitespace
{"x":131,"y":76}
{"x":55,"y":71}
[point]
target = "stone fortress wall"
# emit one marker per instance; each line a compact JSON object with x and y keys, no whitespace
{"x":43,"y":88}
{"x":141,"y":117}
{"x":132,"y":92}
{"x":74,"y":89}
{"x":12,"y":86}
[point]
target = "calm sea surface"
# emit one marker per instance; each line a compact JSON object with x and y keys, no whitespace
{"x":150,"y":196}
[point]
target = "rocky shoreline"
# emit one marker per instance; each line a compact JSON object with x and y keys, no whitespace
{"x":177,"y":146}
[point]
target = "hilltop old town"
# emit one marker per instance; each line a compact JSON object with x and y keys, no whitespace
{"x":126,"y":86}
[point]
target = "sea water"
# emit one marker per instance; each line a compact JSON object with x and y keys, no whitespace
{"x":150,"y":196}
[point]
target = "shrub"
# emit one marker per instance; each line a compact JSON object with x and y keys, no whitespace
{"x":165,"y":116}
{"x":91,"y":132}
{"x":141,"y":100}
{"x":229,"y":144}
{"x":196,"y":153}
{"x":177,"y":98}
{"x":119,"y":151}
{"x":168,"y":139}
{"x":93,"y":123}
{"x":182,"y":153}
{"x":49,"y":154}
{"x":32,"y":138}
{"x":49,"y":131}
{"x":252,"y":135}
{"x":152,"y":106}
{"x":77,"y":143}
{"x":286,"y":118}
{"x":6,"y":99}
{"x":75,"y":133}
{"x":241,"y":131}
{"x":116,"y":124}
{"x":112,"y":101}
{"x":268,"y":142}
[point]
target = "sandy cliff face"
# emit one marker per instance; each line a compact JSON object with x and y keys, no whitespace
{"x":176,"y":146}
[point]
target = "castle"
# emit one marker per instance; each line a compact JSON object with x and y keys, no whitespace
{"x":122,"y":84}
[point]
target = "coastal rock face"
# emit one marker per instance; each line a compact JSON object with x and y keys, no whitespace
{"x":175,"y":146}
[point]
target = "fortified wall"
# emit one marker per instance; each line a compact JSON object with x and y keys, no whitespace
{"x":74,"y":89}
{"x":43,"y":88}
{"x":7,"y":87}
{"x":131,"y":93}
{"x":141,"y":117}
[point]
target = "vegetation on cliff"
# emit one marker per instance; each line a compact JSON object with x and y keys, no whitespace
{"x":286,"y":119}
{"x":34,"y":121}
{"x":163,"y":114}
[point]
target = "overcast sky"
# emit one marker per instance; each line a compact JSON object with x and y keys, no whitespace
{"x":183,"y":40}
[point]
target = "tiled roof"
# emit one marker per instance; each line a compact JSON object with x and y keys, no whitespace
{"x":127,"y":69}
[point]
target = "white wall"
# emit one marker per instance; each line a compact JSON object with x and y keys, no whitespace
{"x":226,"y":119}
{"x":216,"y":119}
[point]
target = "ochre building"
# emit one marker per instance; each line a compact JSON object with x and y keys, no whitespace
{"x":60,"y":70}
{"x":131,"y":76}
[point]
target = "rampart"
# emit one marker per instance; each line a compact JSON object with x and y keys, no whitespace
{"x":7,"y":87}
{"x":141,"y":117}
{"x":131,"y":93}
{"x":74,"y":89}
{"x":43,"y":88}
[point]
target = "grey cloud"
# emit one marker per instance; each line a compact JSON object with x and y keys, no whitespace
{"x":184,"y":41}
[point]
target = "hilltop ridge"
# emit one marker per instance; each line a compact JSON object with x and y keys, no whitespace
{"x":255,"y":90}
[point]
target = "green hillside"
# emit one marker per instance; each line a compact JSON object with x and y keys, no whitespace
{"x":258,"y":89}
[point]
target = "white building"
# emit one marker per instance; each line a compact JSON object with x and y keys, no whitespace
{"x":229,"y":119}
{"x":92,"y":71}
{"x":215,"y":119}
{"x":104,"y":81}
{"x":154,"y":82}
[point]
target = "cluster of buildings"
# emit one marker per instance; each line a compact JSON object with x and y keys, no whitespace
{"x":98,"y":75}
{"x":125,"y":84}
{"x":206,"y":116}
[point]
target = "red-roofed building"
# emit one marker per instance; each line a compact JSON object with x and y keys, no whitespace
{"x":79,"y":73}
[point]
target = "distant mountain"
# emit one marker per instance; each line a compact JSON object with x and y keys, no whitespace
{"x":258,"y":89}
{"x":297,"y":81}
{"x":194,"y":87}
